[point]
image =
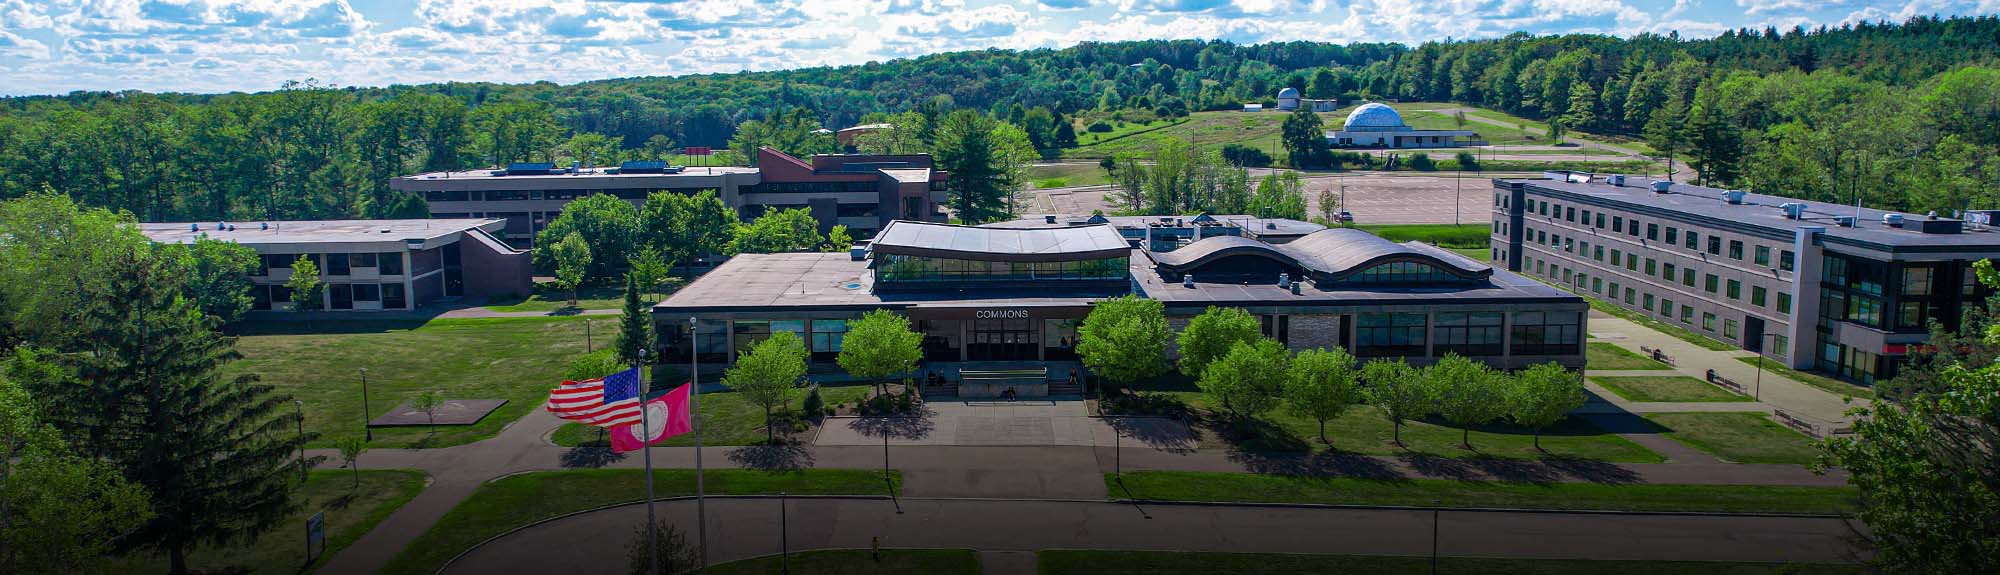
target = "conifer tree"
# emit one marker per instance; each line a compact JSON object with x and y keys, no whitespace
{"x":215,"y":454}
{"x":635,"y":331}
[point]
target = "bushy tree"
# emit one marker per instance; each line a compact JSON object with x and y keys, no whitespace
{"x":1304,"y":137}
{"x":60,"y":512}
{"x":1543,"y":395}
{"x":768,"y":373}
{"x":649,"y":270}
{"x":308,"y":294}
{"x":572,"y":261}
{"x":983,"y":170}
{"x":1249,"y":379}
{"x":838,"y":240}
{"x":220,"y":284}
{"x":607,"y":225}
{"x":1280,"y":195}
{"x":1210,"y":335}
{"x":1399,"y":391}
{"x":1321,"y":384}
{"x":671,"y":548}
{"x":787,"y":230}
{"x":1469,"y":393}
{"x":879,"y":346}
{"x":1124,"y":339}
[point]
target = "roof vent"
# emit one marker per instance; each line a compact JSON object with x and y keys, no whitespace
{"x":1941,"y":226}
{"x":232,"y":227}
{"x":1843,"y":221}
{"x":219,"y":226}
{"x":1793,"y":210}
{"x":1284,"y":279}
{"x":1892,"y":220}
{"x":1187,"y":281}
{"x":1618,"y":180}
{"x":1733,"y":196}
{"x":1661,"y":187}
{"x":1295,"y":287}
{"x":1049,"y":219}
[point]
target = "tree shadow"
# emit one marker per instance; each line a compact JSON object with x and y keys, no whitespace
{"x":1256,"y":435}
{"x":590,"y":456}
{"x":1591,"y":470}
{"x":1322,"y":464}
{"x":1169,"y":435}
{"x":785,"y":456}
{"x":900,"y":427}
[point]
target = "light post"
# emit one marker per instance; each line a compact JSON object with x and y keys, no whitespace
{"x":1757,"y":389}
{"x":301,"y":406}
{"x":367,"y":431}
{"x":1434,"y":535}
{"x":784,"y":536}
{"x":694,"y":410}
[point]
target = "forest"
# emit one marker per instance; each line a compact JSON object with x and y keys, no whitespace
{"x":1907,"y":115}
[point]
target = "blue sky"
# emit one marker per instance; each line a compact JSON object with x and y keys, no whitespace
{"x":54,"y":46}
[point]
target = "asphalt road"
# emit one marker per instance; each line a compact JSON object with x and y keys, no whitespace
{"x":742,"y":528}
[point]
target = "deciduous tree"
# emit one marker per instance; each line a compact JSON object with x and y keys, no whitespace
{"x":60,"y":512}
{"x":1469,"y":393}
{"x":1399,"y":391}
{"x":787,"y":230}
{"x":1320,"y":384}
{"x":1543,"y":395}
{"x":1248,"y":380}
{"x":879,"y":346}
{"x":768,"y":373}
{"x":1210,"y":335}
{"x":572,"y":259}
{"x":1124,"y":339}
{"x":308,"y":294}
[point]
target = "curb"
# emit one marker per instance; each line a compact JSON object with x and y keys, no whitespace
{"x":1602,"y":512}
{"x":483,"y":542}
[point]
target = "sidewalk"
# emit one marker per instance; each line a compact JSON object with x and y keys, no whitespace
{"x":1775,"y":391}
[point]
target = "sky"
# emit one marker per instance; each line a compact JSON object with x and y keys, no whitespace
{"x":56,"y":46}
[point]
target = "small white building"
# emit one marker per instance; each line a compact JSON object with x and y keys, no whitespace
{"x":1376,"y":125}
{"x":1253,"y":107}
{"x":1288,"y":100}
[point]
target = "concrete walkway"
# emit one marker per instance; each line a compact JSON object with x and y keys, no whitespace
{"x":1775,"y":391}
{"x":744,"y":528}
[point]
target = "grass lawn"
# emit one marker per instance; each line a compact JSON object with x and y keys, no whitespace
{"x":1666,"y":388}
{"x":1477,"y":254}
{"x":1364,"y":430}
{"x":1608,"y":356}
{"x":518,"y":500}
{"x":1085,"y":137}
{"x":1737,"y":437}
{"x":1649,"y":322}
{"x":730,"y":419}
{"x":517,"y":359}
{"x":549,"y":299}
{"x":843,"y":561}
{"x":1258,"y":488}
{"x":350,"y":512}
{"x":1044,"y":176}
{"x":1445,"y":235}
{"x":1072,"y":562}
{"x":1831,"y":385}
{"x":1206,"y":130}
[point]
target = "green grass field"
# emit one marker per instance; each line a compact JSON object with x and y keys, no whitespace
{"x":847,"y":561}
{"x":516,"y":359}
{"x":1608,"y":356}
{"x":1829,"y":384}
{"x":1078,"y":562}
{"x":1364,"y":430}
{"x":1206,"y":130}
{"x":1263,"y":488}
{"x":1737,"y":437}
{"x":1648,"y":321}
{"x":517,"y":500}
{"x":350,"y":512}
{"x":1468,"y":236}
{"x":549,"y":299}
{"x":1044,"y":176}
{"x":1666,"y":388}
{"x":1085,"y":137}
{"x":730,"y":419}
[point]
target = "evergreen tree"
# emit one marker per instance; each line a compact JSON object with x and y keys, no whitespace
{"x":216,"y":455}
{"x":635,"y":327}
{"x":1717,"y":144}
{"x":981,"y":185}
{"x":1664,"y":131}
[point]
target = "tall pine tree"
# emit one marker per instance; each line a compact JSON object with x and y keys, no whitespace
{"x":1717,"y":146}
{"x":215,"y":454}
{"x":635,"y":332}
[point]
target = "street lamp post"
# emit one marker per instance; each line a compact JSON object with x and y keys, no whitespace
{"x":1434,"y":535}
{"x":784,"y":535}
{"x":1757,"y":389}
{"x":301,"y":406}
{"x":368,"y":432}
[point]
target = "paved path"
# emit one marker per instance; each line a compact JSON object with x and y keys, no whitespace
{"x":1777,"y":391}
{"x":743,"y":528}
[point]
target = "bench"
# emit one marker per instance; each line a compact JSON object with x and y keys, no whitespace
{"x":1657,"y":355}
{"x":1800,"y":425}
{"x":1726,"y":383}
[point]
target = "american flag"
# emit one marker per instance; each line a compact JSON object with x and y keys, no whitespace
{"x":609,"y":401}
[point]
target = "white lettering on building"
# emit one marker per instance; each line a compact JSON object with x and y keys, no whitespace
{"x":1000,"y":314}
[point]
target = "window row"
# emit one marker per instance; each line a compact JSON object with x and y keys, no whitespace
{"x":1653,"y":232}
{"x":384,"y":263}
{"x":902,"y":268}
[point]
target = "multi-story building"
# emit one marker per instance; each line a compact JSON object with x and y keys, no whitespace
{"x":1017,"y":295}
{"x":863,"y":192}
{"x":370,"y":264}
{"x":1166,"y":233}
{"x":1839,"y":289}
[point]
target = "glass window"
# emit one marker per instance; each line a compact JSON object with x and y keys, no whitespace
{"x":1781,"y":346}
{"x":1735,"y":290}
{"x":361,"y":260}
{"x":1667,"y":271}
{"x":1784,"y":303}
{"x":1687,"y":314}
{"x":336,"y":265}
{"x":1736,"y":250}
{"x":1468,"y":334}
{"x":1687,"y":277}
{"x":1652,"y":232}
{"x":1389,"y":334}
{"x":1596,"y":285}
{"x":1632,"y":261}
{"x":1709,"y":283}
{"x":1600,"y":220}
{"x":392,"y":296}
{"x":1673,"y":235}
{"x":1547,"y":333}
{"x":1617,"y":257}
{"x":1917,"y":281}
{"x":1628,"y":296}
{"x":1715,"y":246}
{"x":1785,"y":260}
{"x":1729,"y":328}
{"x":1646,"y":302}
{"x":1666,"y":308}
{"x":1597,"y":253}
{"x":1763,"y":255}
{"x":827,"y":335}
{"x":389,"y":263}
{"x":1757,"y":296}
{"x":1708,"y":321}
{"x":1650,"y":267}
{"x":1569,"y":214}
{"x":1613,"y":294}
{"x":367,"y":292}
{"x":278,"y":261}
{"x":1910,"y":314}
{"x":1692,"y":240}
{"x":1617,"y":223}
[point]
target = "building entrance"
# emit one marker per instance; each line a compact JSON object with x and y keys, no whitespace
{"x":1017,"y":339}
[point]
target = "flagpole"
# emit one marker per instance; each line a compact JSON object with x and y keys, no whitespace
{"x":694,"y":411}
{"x":645,"y":439}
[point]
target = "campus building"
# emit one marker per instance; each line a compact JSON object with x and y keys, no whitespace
{"x":1167,"y":233}
{"x":863,"y":192}
{"x":371,"y":264}
{"x":1375,"y":125}
{"x":1289,"y":99}
{"x":1016,"y":295}
{"x":1836,"y":288}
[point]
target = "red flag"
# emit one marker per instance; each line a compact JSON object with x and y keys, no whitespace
{"x":666,"y":416}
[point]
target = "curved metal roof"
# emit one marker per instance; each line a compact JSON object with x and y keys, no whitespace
{"x":1288,"y":93}
{"x":1331,"y":254}
{"x":913,"y":238}
{"x":1373,"y":115}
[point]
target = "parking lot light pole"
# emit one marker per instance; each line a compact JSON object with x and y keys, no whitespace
{"x":368,"y":432}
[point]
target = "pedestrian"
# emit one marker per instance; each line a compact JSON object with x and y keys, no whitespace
{"x":875,"y":548}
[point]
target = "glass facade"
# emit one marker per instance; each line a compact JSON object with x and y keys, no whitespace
{"x":1469,"y":334}
{"x":1401,"y":273}
{"x":1389,"y":335}
{"x":1547,"y":333}
{"x":894,"y":268}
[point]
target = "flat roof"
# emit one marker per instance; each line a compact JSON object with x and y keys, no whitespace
{"x":268,"y":232}
{"x":1760,"y":212}
{"x":587,"y":173}
{"x":836,"y":282}
{"x":926,"y":239}
{"x":1502,"y":287}
{"x":1257,"y":225}
{"x":909,"y":175}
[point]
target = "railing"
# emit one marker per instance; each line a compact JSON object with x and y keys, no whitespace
{"x":1726,"y":383}
{"x":1657,"y":355}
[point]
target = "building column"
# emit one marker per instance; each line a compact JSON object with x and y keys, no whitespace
{"x":1801,"y":325}
{"x":409,"y":285}
{"x":728,"y":341}
{"x":1430,"y":338}
{"x":964,"y":341}
{"x":1507,"y":337}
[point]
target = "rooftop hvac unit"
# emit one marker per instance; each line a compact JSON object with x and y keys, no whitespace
{"x":1661,"y":187}
{"x":1050,"y":219}
{"x":1892,"y":220}
{"x":1295,"y":287}
{"x":1793,"y":210}
{"x":1187,"y":281}
{"x":1843,"y":221}
{"x":1284,"y":279}
{"x":266,"y":226}
{"x":1733,"y":196}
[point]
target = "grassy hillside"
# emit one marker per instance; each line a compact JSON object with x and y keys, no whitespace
{"x":1261,"y":130}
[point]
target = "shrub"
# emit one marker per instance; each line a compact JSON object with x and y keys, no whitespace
{"x":1468,"y":162}
{"x":1422,"y":162}
{"x":1245,"y":157}
{"x":1098,"y":127}
{"x":813,"y":403}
